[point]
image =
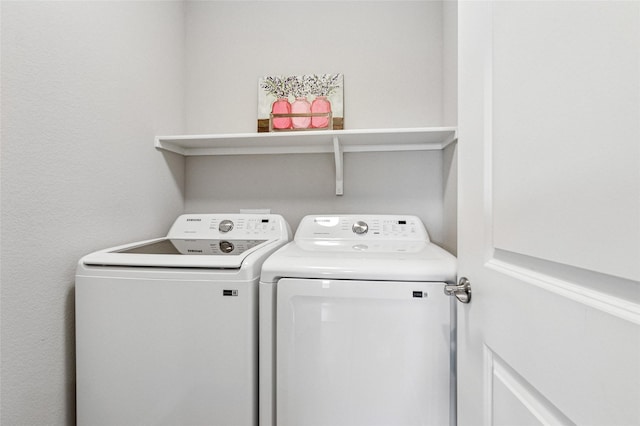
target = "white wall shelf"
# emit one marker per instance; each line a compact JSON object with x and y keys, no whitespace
{"x":308,"y":142}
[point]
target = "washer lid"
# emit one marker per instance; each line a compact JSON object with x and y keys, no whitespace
{"x":176,"y":253}
{"x":194,"y":247}
{"x":219,"y":241}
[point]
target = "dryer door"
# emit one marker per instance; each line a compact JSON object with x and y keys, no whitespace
{"x":362,"y":353}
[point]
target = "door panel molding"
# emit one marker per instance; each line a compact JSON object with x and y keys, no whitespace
{"x":500,"y":377}
{"x":622,"y":308}
{"x":488,"y":135}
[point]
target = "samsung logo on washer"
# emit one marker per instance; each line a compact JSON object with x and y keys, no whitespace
{"x":327,"y":221}
{"x":194,"y":220}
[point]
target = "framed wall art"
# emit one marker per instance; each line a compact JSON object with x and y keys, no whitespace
{"x":301,"y":103}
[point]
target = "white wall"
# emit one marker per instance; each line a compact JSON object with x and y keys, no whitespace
{"x":85,"y":87}
{"x":450,"y":118}
{"x":295,"y":185}
{"x":391,"y":55}
{"x":389,"y":51}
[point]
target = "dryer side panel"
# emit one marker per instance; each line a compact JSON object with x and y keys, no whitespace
{"x":362,"y":353}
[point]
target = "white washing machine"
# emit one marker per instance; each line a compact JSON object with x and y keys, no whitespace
{"x":355,"y":328}
{"x":167,"y":329}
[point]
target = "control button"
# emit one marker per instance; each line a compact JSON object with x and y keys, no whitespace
{"x":360,"y":227}
{"x":225,"y":226}
{"x":226,"y":246}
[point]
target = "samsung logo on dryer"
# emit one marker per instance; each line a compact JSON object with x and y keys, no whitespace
{"x":194,"y":220}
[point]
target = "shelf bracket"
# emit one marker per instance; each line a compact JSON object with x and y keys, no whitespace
{"x":337,"y":151}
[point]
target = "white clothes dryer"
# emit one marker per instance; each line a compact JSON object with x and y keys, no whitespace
{"x":167,"y":329}
{"x":355,"y":328}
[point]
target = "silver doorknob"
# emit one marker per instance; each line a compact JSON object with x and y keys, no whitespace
{"x":462,"y":291}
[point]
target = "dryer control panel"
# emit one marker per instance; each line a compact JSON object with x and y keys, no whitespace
{"x":229,"y":226}
{"x":366,"y":227}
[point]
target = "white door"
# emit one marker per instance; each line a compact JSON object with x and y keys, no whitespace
{"x":549,"y":225}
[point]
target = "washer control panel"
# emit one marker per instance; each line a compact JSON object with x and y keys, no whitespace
{"x":366,"y":227}
{"x":229,"y":226}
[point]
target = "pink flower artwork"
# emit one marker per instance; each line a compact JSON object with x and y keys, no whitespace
{"x":300,"y":102}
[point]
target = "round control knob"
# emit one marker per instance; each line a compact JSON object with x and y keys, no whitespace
{"x":360,"y":227}
{"x":225,"y":226}
{"x":226,"y":246}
